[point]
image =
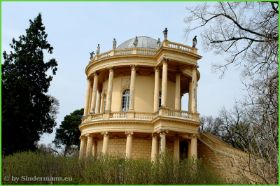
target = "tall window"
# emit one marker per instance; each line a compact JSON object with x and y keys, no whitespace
{"x":125,"y":100}
{"x":104,"y":104}
{"x":159,"y":101}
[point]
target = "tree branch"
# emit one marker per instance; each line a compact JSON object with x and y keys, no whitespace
{"x":237,"y":38}
{"x":273,"y":6}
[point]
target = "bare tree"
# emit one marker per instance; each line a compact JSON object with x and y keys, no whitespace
{"x":247,"y":33}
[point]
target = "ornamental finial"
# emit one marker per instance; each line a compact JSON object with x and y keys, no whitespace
{"x":194,"y":42}
{"x":98,"y":49}
{"x":165,"y":34}
{"x":114,"y":43}
{"x":91,"y":54}
{"x":135,"y":43}
{"x":158,"y":42}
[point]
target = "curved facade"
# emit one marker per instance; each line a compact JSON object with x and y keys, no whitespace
{"x":133,"y":100}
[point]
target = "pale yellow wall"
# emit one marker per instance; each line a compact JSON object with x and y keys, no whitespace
{"x":141,"y":148}
{"x":116,"y":95}
{"x":169,"y":146}
{"x":117,"y":147}
{"x":144,"y":93}
{"x":99,"y":146}
{"x":171,"y":94}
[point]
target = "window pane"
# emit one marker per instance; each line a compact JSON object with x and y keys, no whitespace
{"x":125,"y":100}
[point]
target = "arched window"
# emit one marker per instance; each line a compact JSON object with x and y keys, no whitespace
{"x":125,"y":100}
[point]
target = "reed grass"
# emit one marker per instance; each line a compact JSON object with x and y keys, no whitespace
{"x":104,"y":170}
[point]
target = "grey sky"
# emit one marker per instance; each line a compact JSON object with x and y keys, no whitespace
{"x":75,"y":29}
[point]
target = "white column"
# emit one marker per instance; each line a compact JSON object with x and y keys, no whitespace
{"x":132,"y":88}
{"x":193,"y":151}
{"x":164,"y":84}
{"x":88,"y":97}
{"x":89,"y":146}
{"x":176,"y":149}
{"x":190,"y":97}
{"x":97,"y":107}
{"x":192,"y":92}
{"x":105,"y":143}
{"x":162,"y":142}
{"x":178,"y":92}
{"x":156,"y":90}
{"x":101,"y":103}
{"x":195,"y":97}
{"x":82,"y":147}
{"x":128,"y":149}
{"x":94,"y":90}
{"x":109,"y":91}
{"x":154,"y":151}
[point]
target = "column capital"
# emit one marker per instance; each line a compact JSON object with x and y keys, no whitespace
{"x":195,"y":66}
{"x":165,"y":60}
{"x":110,"y":69}
{"x":87,"y":135}
{"x":157,"y":68}
{"x":105,"y":133}
{"x":129,"y":133}
{"x":83,"y":137}
{"x":163,"y":132}
{"x":133,"y":67}
{"x":95,"y":73}
{"x":194,"y":136}
{"x":154,"y":134}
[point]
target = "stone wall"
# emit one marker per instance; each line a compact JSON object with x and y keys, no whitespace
{"x":228,"y":162}
{"x":141,"y":148}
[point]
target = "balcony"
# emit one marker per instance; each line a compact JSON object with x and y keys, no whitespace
{"x":163,"y":112}
{"x":145,"y":51}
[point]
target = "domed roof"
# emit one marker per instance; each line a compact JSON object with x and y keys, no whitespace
{"x":140,"y":42}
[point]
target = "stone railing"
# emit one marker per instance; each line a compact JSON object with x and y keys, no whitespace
{"x":145,"y":51}
{"x":120,"y":52}
{"x":178,"y":113}
{"x":181,"y":47}
{"x":116,"y":115}
{"x":128,"y":51}
{"x":142,"y":115}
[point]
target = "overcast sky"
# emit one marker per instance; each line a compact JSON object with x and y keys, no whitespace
{"x":75,"y":29}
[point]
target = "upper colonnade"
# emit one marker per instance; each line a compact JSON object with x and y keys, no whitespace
{"x":169,"y":59}
{"x":157,"y":75}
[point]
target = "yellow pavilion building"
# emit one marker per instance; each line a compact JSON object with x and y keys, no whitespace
{"x":133,"y":105}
